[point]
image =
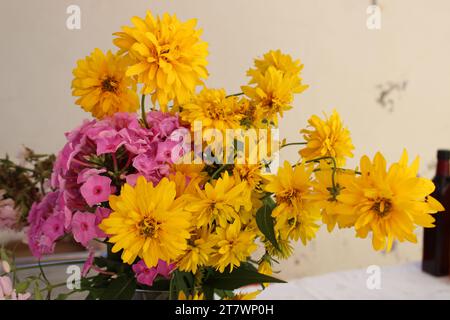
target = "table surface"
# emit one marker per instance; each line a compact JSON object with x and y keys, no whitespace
{"x":396,"y":282}
{"x":405,"y":281}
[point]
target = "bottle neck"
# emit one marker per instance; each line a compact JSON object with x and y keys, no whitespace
{"x":443,"y":168}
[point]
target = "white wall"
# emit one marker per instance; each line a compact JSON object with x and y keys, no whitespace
{"x":344,"y":62}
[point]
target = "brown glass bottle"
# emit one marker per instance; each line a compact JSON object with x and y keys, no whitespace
{"x":436,"y":241}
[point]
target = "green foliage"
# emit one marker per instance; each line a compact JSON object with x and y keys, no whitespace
{"x":242,"y":276}
{"x":265,"y":221}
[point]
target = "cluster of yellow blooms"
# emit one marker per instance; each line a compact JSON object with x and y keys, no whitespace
{"x":195,"y":219}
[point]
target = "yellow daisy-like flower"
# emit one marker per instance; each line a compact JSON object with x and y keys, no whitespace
{"x":278,"y":60}
{"x":295,"y":214}
{"x":220,"y":201}
{"x":233,"y":246}
{"x":197,"y":253}
{"x":170,"y":58}
{"x":327,"y":138}
{"x":390,"y":203}
{"x":148,"y":222}
{"x":325,"y":195}
{"x":102,"y":86}
{"x":283,"y":251}
{"x":213,"y":109}
{"x":273,"y":93}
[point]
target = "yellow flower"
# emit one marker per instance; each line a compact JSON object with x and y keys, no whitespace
{"x":327,"y":138}
{"x":147,"y":222}
{"x":276,"y":78}
{"x":279,"y":61}
{"x":219,"y":202}
{"x":326,"y":195}
{"x":195,"y":296}
{"x":273,"y":93}
{"x":283,"y":251}
{"x":101,"y":85}
{"x":251,"y":115}
{"x":198,"y":252}
{"x":389,"y":203}
{"x":295,"y":214}
{"x":187,"y":178}
{"x":170,"y":58}
{"x":251,"y":174}
{"x":213,"y":109}
{"x":233,"y":246}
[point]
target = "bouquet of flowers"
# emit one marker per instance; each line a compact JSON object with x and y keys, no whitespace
{"x":188,"y":195}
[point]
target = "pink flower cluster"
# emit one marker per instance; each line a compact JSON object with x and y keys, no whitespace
{"x":9,"y":216}
{"x":99,"y":157}
{"x":146,"y":275}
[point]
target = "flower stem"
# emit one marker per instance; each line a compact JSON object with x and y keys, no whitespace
{"x":144,"y":118}
{"x":293,"y":144}
{"x":219,"y":170}
{"x":333,"y":174}
{"x":234,"y":95}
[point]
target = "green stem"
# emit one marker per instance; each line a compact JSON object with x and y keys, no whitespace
{"x":144,"y":118}
{"x":235,"y":95}
{"x":293,"y":144}
{"x":219,"y":170}
{"x":333,"y":174}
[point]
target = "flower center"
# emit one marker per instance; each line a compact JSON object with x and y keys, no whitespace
{"x":382,"y":207}
{"x":97,"y":190}
{"x":148,"y":227}
{"x":109,"y":85}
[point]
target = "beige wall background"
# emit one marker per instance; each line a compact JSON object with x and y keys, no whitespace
{"x":346,"y":65}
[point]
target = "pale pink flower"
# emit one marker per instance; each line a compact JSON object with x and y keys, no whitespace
{"x":96,"y":189}
{"x":84,"y":228}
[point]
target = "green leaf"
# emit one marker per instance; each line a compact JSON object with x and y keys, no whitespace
{"x":121,"y":288}
{"x":265,"y":223}
{"x":21,"y":287}
{"x":182,"y":281}
{"x":62,"y":296}
{"x":37,"y":292}
{"x":240,"y":277}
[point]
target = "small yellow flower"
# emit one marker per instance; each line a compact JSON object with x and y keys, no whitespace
{"x":148,"y":222}
{"x":219,"y":202}
{"x":197,"y":253}
{"x":233,"y":246}
{"x":169,"y":57}
{"x":295,"y":214}
{"x":390,"y":203}
{"x":279,"y":61}
{"x":213,"y":109}
{"x":325,"y":195}
{"x":276,"y":78}
{"x":102,"y":86}
{"x":327,"y":138}
{"x":273,"y":94}
{"x":283,"y":251}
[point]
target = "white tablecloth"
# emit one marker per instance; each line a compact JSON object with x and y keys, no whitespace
{"x":397,"y":282}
